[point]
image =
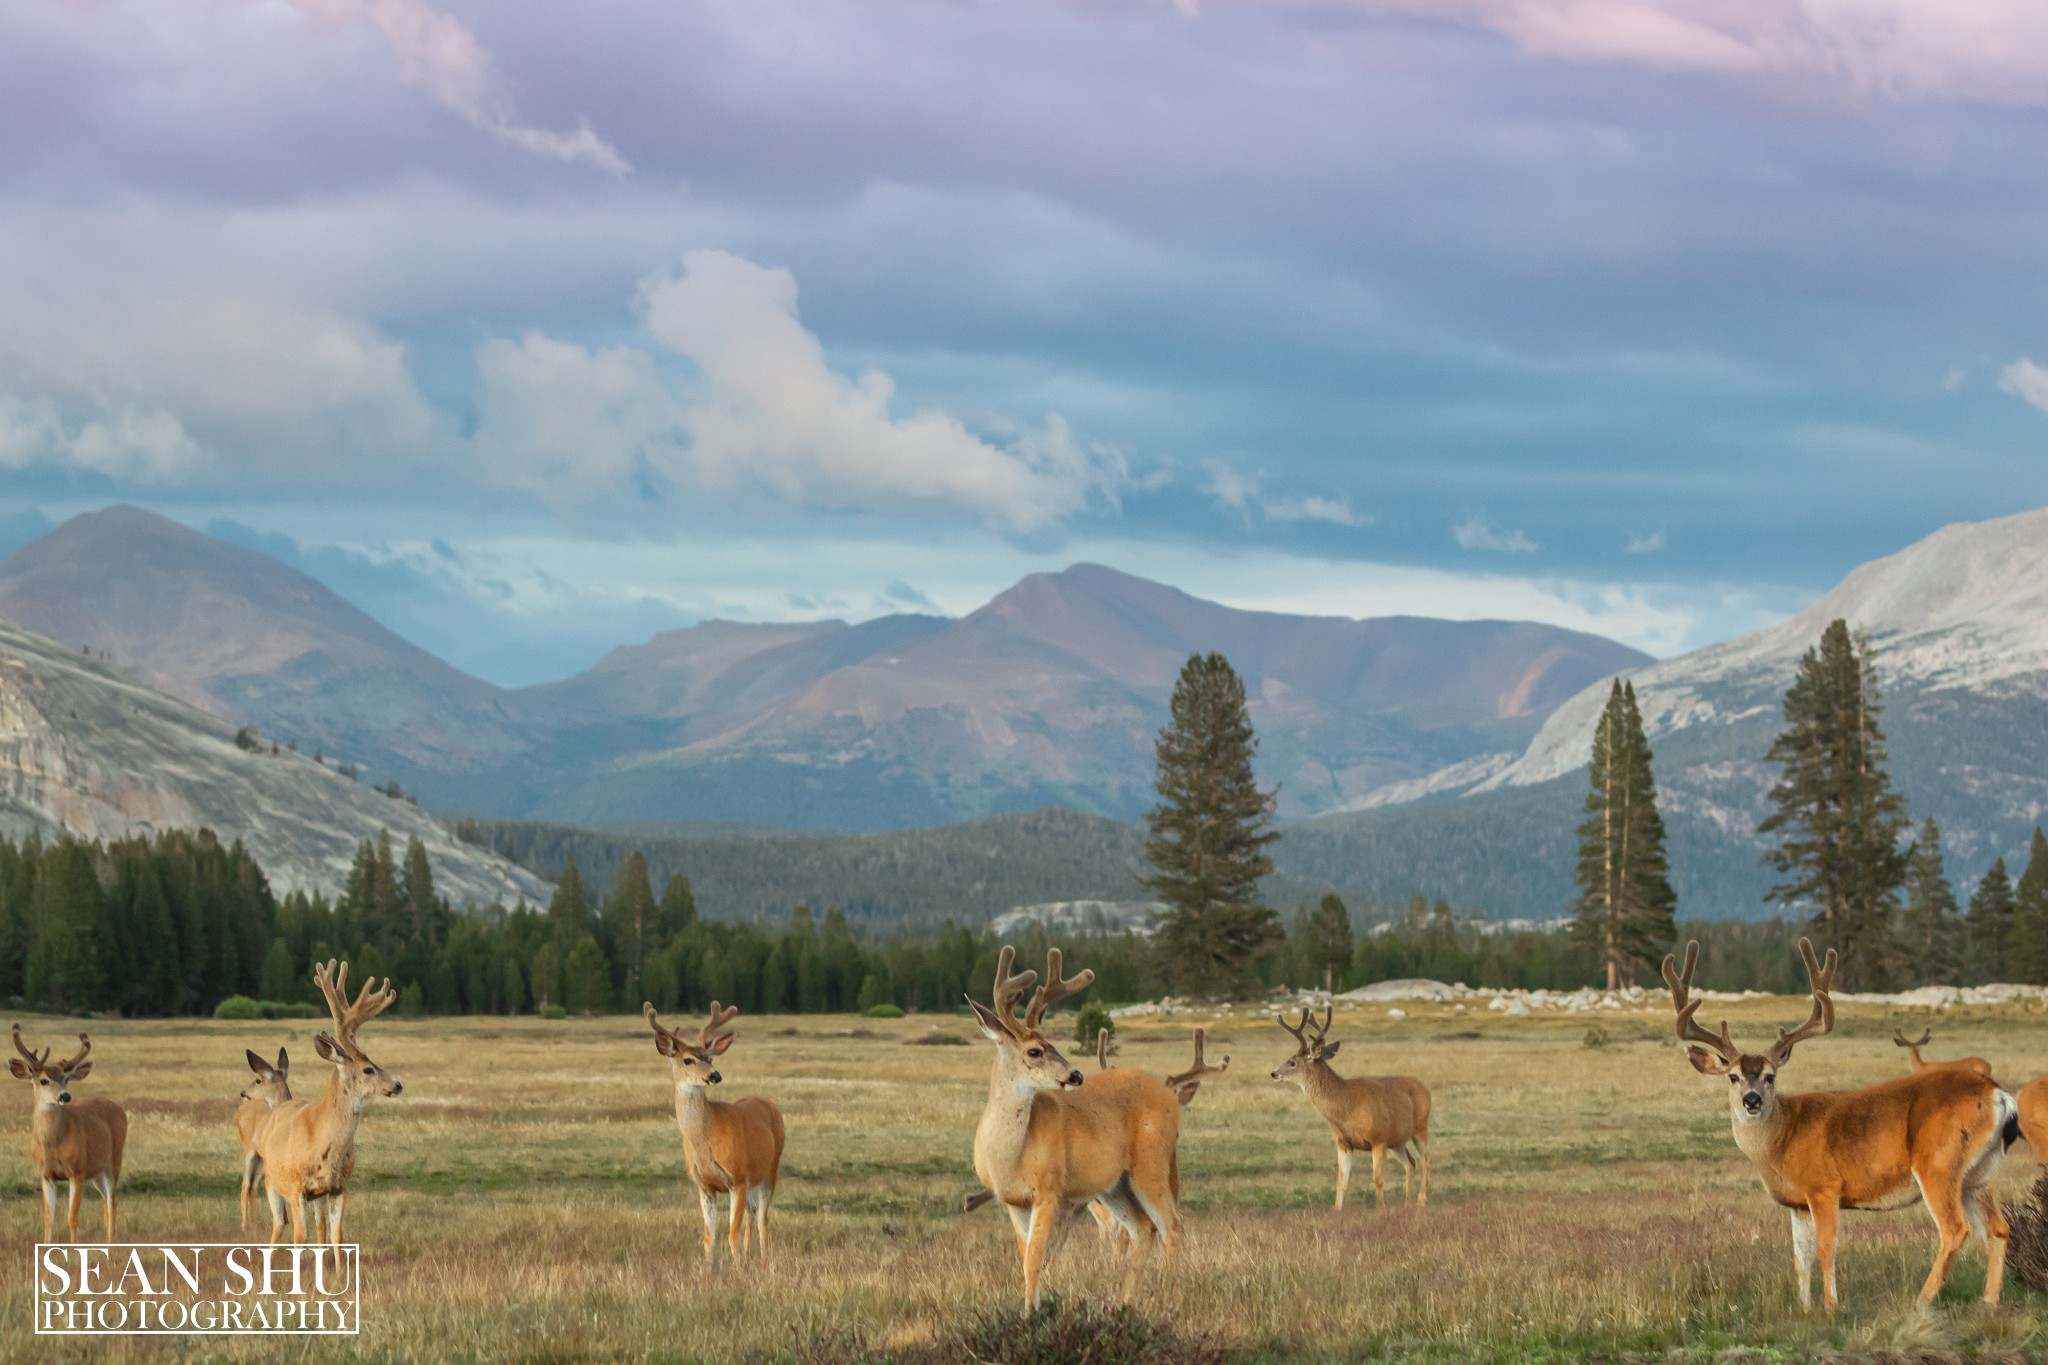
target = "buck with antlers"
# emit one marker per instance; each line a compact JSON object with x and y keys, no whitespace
{"x":309,"y":1147}
{"x":260,"y":1099}
{"x":77,"y":1141}
{"x":1935,"y":1135}
{"x":1913,"y":1046}
{"x":1047,"y":1145}
{"x":734,"y":1148}
{"x":1381,"y":1114}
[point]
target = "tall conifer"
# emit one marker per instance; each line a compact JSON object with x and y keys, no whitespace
{"x":1932,"y":926}
{"x":1209,"y":832}
{"x":1626,"y":908}
{"x":1838,"y":821}
{"x":1989,"y":926}
{"x":2026,"y":951}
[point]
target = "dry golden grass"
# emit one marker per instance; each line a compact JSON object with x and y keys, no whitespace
{"x":524,"y":1198}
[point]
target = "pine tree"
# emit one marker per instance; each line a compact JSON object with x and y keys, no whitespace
{"x":1990,"y":926}
{"x":1330,"y":941}
{"x":630,"y":916}
{"x":2026,"y":951}
{"x":678,"y":907}
{"x":1931,"y":925}
{"x":278,"y":979}
{"x":421,"y":902}
{"x":1626,"y":908}
{"x":1209,"y":832}
{"x":1839,"y":823}
{"x":568,"y":912}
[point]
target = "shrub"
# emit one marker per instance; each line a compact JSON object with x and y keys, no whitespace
{"x":238,"y":1007}
{"x":1596,"y":1036}
{"x":553,"y":1011}
{"x":885,"y":1010}
{"x":2026,"y":1255}
{"x":1051,"y":1334}
{"x":1091,"y":1019}
{"x":290,"y":1009}
{"x":936,"y":1039}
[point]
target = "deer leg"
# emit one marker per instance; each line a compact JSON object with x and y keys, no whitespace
{"x":105,"y":1182}
{"x":334,"y":1216}
{"x":1802,"y":1256}
{"x":736,"y":1234}
{"x":1824,"y":1212}
{"x":1379,"y":1188}
{"x":277,"y":1214}
{"x":1153,"y":1193}
{"x":77,"y":1188}
{"x":248,"y":1185}
{"x":1343,"y":1172}
{"x":1020,"y":1224}
{"x":761,"y":1195}
{"x":707,"y":1202}
{"x":1945,"y":1203}
{"x":49,"y":1206}
{"x":299,"y":1218}
{"x":1045,"y":1213}
{"x":1996,"y":1233}
{"x":1422,"y":1154}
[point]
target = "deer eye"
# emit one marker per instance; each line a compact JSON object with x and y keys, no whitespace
{"x":1035,"y":1052}
{"x":369,"y":1071}
{"x":1734,"y":1080}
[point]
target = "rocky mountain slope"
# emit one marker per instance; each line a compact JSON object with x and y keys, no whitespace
{"x":1958,"y":623}
{"x":87,"y":750}
{"x":1049,"y":695}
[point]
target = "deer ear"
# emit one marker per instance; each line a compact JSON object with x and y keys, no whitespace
{"x":721,"y":1043}
{"x":665,"y":1044}
{"x":20,"y":1069}
{"x":328,"y":1049}
{"x":79,"y":1072}
{"x":256,"y":1064}
{"x":1705,"y":1062}
{"x":284,"y":1062}
{"x":1327,"y":1050}
{"x":1186,"y":1094}
{"x":991,"y":1027}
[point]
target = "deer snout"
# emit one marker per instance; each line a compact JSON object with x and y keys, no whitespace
{"x":1074,"y":1078}
{"x":397,"y":1087}
{"x":714,"y":1078}
{"x":63,"y":1097}
{"x":1752,"y":1101}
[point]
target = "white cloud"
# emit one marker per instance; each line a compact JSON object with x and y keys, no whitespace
{"x":1476,"y":534}
{"x":1231,"y":490}
{"x":765,"y":412}
{"x":438,"y":54}
{"x":1335,"y":510}
{"x":1953,"y":380}
{"x":2025,"y":380}
{"x":1644,"y":545}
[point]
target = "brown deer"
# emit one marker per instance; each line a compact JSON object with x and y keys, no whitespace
{"x":733,"y":1149}
{"x":309,"y":1147}
{"x":1047,"y":1146}
{"x":260,"y":1098}
{"x":1913,"y":1046}
{"x":1381,"y":1114}
{"x":1935,"y":1135}
{"x":78,"y":1141}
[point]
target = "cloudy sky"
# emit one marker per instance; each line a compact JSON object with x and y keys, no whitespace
{"x":537,"y":327}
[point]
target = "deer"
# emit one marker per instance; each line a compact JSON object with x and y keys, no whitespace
{"x":1048,"y":1146}
{"x":76,"y":1141}
{"x":1913,"y":1046}
{"x":259,"y":1098}
{"x":1936,"y":1135}
{"x":733,"y":1149}
{"x":1380,"y":1114}
{"x":309,"y":1146}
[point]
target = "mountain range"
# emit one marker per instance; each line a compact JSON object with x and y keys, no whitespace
{"x":1051,"y":694}
{"x":1958,"y":626}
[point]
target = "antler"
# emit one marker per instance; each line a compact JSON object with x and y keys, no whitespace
{"x":654,"y":1022}
{"x":1822,"y":1018}
{"x":1681,"y":989}
{"x":1008,"y":988}
{"x":1923,"y":1040}
{"x":719,"y":1019}
{"x":1322,"y":1030}
{"x":85,"y":1047}
{"x":1201,"y":1067}
{"x":1102,"y":1049}
{"x":1056,"y":988}
{"x":332,"y":979}
{"x":35,"y":1061}
{"x":1300,"y":1031}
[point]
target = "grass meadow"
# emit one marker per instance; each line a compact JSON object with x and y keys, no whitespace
{"x":525,"y":1197}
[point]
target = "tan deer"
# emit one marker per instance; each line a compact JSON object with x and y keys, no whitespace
{"x":260,"y":1098}
{"x":77,"y":1141}
{"x":1380,"y":1114}
{"x":1913,"y":1046}
{"x":733,"y":1149}
{"x":1935,"y":1135}
{"x":1047,"y":1146}
{"x":309,"y":1147}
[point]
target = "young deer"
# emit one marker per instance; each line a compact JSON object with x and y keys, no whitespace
{"x":259,"y":1098}
{"x":1378,"y":1113}
{"x":1913,"y":1046}
{"x":76,"y":1141}
{"x":309,"y":1147}
{"x":1935,"y":1135}
{"x":734,"y":1148}
{"x":1047,"y":1146}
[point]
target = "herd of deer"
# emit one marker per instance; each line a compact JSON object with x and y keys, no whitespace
{"x":1052,"y":1142}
